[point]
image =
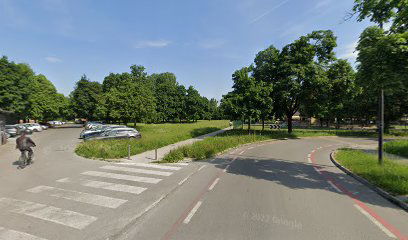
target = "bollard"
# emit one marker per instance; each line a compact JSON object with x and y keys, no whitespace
{"x":129,"y":151}
{"x":155,"y":153}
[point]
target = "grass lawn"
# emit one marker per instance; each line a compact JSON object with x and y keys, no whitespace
{"x":153,"y":136}
{"x":397,"y":147}
{"x":392,"y":176}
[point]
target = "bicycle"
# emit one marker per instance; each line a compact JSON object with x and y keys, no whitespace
{"x":25,"y":160}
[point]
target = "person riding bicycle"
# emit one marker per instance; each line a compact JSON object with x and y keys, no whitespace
{"x":24,"y":144}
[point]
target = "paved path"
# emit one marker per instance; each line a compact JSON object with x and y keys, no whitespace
{"x":149,"y":156}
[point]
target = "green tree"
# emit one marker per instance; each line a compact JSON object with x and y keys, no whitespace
{"x":165,"y":91}
{"x":383,"y":11}
{"x":85,"y":98}
{"x":295,"y":71}
{"x":194,"y":104}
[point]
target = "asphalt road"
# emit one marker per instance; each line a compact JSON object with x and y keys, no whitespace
{"x":273,"y":190}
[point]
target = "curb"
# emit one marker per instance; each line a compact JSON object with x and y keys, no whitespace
{"x":378,"y":190}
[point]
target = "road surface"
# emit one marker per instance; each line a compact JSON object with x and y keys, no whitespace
{"x":285,"y":189}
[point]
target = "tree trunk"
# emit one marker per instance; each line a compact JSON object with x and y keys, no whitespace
{"x":134,"y":123}
{"x":290,"y":126}
{"x":249,"y":124}
{"x":263,"y":124}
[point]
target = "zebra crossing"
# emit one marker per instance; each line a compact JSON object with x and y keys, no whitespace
{"x":124,"y":177}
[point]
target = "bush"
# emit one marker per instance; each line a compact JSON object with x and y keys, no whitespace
{"x":398,"y":148}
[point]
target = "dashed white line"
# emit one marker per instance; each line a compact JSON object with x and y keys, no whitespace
{"x":213,"y":184}
{"x":372,"y":219}
{"x":308,"y":155}
{"x":241,"y":152}
{"x":150,"y":165}
{"x":82,"y":197}
{"x":9,"y":234}
{"x":309,"y":159}
{"x":185,"y":179}
{"x":334,"y":186}
{"x":48,"y":213}
{"x":192,"y":212}
{"x":251,"y":148}
{"x":317,"y":170}
{"x":137,"y":170}
{"x":122,"y":177}
{"x":201,"y":167}
{"x":226,"y":168}
{"x":106,"y":185}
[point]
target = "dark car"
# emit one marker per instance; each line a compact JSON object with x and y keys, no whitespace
{"x":117,"y":133}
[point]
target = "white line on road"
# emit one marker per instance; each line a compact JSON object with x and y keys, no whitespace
{"x":241,"y":152}
{"x":82,"y":197}
{"x":213,"y":184}
{"x":106,"y":185}
{"x":192,"y":212}
{"x":181,"y":164}
{"x":251,"y":148}
{"x":309,"y":155}
{"x":149,"y":165}
{"x":309,"y":160}
{"x":334,"y":186}
{"x":122,"y":177}
{"x":136,"y":170}
{"x":185,"y":179}
{"x":48,"y":213}
{"x":201,"y":167}
{"x":9,"y":234}
{"x":372,"y":219}
{"x":317,"y":170}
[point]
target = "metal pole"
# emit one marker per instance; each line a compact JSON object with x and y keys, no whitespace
{"x":129,"y":151}
{"x":155,"y":153}
{"x":381,"y":127}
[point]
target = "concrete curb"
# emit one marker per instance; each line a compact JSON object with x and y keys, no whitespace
{"x":378,"y":190}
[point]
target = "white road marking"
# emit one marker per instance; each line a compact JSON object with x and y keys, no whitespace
{"x":372,"y":219}
{"x":82,"y":197}
{"x":213,"y":184}
{"x":137,"y":170}
{"x":48,"y":213}
{"x":334,"y":186}
{"x":226,"y":168}
{"x":150,"y":165}
{"x":241,"y":152}
{"x":317,"y":170}
{"x":309,"y":160}
{"x":9,"y":234}
{"x":201,"y":167}
{"x":251,"y":148}
{"x":181,"y":164}
{"x":122,"y":177}
{"x":309,"y":155}
{"x":106,"y":185}
{"x":313,"y":151}
{"x":192,"y":212}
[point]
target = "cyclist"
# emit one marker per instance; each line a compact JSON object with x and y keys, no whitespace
{"x":24,"y":144}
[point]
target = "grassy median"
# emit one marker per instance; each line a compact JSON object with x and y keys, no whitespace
{"x":392,"y":176}
{"x":153,"y":136}
{"x":233,"y":138}
{"x":399,"y":148}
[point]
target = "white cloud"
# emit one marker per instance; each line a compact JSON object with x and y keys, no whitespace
{"x":349,"y":51}
{"x":212,"y":43}
{"x":152,"y":44}
{"x":53,"y":59}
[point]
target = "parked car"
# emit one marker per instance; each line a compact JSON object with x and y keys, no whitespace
{"x":117,"y":133}
{"x":23,"y":128}
{"x":44,"y":127}
{"x":54,"y":123}
{"x":97,"y":130}
{"x":35,"y":127}
{"x":12,"y":130}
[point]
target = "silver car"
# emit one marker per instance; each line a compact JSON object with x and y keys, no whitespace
{"x":117,"y":133}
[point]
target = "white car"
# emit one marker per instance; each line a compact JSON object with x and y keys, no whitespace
{"x":35,"y":127}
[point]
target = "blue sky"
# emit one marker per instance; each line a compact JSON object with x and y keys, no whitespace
{"x":202,"y":42}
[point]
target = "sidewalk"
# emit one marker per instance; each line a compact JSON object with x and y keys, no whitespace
{"x":149,"y":156}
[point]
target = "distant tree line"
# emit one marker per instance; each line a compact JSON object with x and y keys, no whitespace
{"x":305,"y":76}
{"x":29,"y":95}
{"x":136,"y":96}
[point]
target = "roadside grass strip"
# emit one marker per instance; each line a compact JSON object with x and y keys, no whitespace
{"x":392,"y":176}
{"x":399,"y":148}
{"x":154,"y":136}
{"x":10,"y":234}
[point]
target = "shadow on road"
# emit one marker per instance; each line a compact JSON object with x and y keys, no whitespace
{"x":298,"y":175}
